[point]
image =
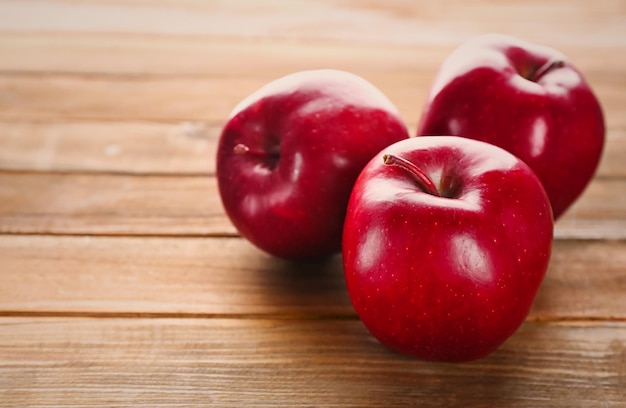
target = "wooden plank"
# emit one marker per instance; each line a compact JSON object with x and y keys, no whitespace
{"x":164,"y":362}
{"x":612,"y":163}
{"x":143,"y":98}
{"x":110,"y":204}
{"x":122,"y":283}
{"x":575,"y":22}
{"x":181,"y":99}
{"x":159,"y":275}
{"x":171,"y":55}
{"x":230,"y":277}
{"x":581,"y":281}
{"x":105,"y":204}
{"x":120,"y":147}
{"x":177,"y":99}
{"x":156,"y":148}
{"x":600,"y":213}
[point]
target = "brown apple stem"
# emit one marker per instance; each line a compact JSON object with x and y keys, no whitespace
{"x":423,"y":181}
{"x":545,"y":68}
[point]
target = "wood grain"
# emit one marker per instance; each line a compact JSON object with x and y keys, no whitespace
{"x":232,"y":362}
{"x":110,"y":204}
{"x":122,"y":282}
{"x":170,"y":99}
{"x":181,"y":148}
{"x":179,"y":99}
{"x":74,"y":203}
{"x":184,"y":148}
{"x":576,"y":22}
{"x":135,"y":55}
{"x":188,"y":56}
{"x":159,"y":275}
{"x":213,"y":276}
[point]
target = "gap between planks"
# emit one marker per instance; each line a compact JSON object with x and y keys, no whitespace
{"x":545,"y":320}
{"x":116,"y":173}
{"x":195,"y":315}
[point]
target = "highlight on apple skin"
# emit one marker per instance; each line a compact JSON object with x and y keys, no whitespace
{"x":290,"y":153}
{"x":528,"y":99}
{"x":446,"y":243}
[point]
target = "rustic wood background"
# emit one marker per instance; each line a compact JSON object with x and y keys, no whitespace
{"x":122,"y":283}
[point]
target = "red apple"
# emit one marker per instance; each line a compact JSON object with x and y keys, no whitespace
{"x":446,"y":242}
{"x":528,"y":99}
{"x":290,"y":153}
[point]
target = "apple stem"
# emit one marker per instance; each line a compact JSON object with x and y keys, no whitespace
{"x":241,"y":148}
{"x":424,"y":182}
{"x":545,"y":68}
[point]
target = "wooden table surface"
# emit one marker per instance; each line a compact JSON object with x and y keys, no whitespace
{"x":122,"y":282}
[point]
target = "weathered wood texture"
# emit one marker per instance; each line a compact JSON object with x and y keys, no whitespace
{"x":238,"y":362}
{"x":135,"y":147}
{"x":227,"y":276}
{"x":52,"y":203}
{"x":122,"y":282}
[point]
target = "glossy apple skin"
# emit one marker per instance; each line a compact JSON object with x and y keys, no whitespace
{"x":446,"y":278}
{"x":492,"y":89}
{"x":309,"y":134}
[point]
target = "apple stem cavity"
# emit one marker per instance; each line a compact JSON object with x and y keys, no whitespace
{"x":536,"y":75}
{"x":424,"y":182}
